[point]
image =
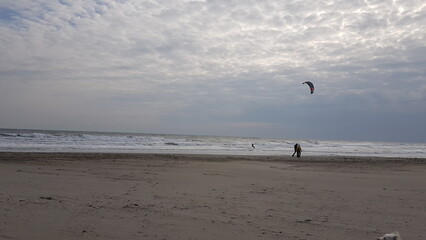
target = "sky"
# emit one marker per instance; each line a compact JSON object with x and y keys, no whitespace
{"x":216,"y":67}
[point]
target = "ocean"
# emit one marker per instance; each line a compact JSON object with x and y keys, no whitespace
{"x":25,"y":140}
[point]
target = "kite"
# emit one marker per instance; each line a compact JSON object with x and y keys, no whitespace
{"x":311,"y":85}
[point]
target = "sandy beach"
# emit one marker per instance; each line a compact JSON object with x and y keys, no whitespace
{"x":171,"y":196}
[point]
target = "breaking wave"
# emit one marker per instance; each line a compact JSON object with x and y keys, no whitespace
{"x":18,"y":140}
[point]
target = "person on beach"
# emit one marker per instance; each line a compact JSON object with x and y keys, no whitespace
{"x":297,"y":150}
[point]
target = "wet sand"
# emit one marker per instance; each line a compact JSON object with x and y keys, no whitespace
{"x":171,"y":196}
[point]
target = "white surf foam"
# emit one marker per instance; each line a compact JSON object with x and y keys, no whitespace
{"x":67,"y":141}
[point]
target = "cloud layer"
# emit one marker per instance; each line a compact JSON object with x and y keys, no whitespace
{"x":216,"y":67}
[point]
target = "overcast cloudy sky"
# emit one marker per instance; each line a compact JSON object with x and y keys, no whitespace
{"x":225,"y":67}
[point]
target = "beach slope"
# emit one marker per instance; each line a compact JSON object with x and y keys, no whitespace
{"x":170,"y":196}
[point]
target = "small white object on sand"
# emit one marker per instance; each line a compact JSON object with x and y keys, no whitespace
{"x":390,"y":236}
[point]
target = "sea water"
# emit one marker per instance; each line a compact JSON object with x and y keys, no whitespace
{"x":20,"y":140}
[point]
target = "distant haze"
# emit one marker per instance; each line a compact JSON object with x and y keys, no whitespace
{"x":220,"y":67}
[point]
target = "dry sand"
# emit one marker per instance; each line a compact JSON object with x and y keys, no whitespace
{"x":167,"y":196}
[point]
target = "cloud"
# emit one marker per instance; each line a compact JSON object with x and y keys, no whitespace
{"x":170,"y":61}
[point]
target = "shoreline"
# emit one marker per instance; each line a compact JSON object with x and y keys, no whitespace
{"x":10,"y":156}
{"x":185,"y":196}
